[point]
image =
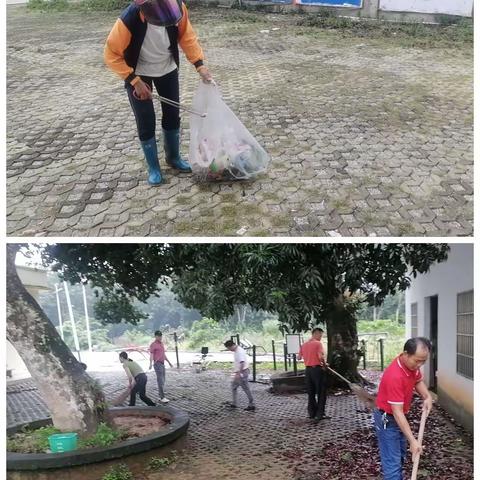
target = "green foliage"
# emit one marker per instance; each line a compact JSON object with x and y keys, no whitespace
{"x":104,"y":5}
{"x":131,"y":337}
{"x":48,"y":5}
{"x":31,"y":441}
{"x":104,"y":436}
{"x":392,"y":344}
{"x":36,"y":441}
{"x":393,"y":307}
{"x":271,"y":329}
{"x":118,"y":472}
{"x":206,"y":332}
{"x":450,"y":33}
{"x":387,"y":326}
{"x":82,"y":5}
{"x":116,"y":307}
{"x":157,"y":463}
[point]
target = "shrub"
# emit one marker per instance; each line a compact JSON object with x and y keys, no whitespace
{"x":103,"y":437}
{"x":31,"y":441}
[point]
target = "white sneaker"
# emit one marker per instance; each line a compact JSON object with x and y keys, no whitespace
{"x":164,"y":400}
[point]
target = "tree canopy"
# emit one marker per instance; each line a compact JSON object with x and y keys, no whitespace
{"x":300,"y":282}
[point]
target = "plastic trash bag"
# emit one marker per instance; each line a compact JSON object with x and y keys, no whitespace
{"x":221,"y":148}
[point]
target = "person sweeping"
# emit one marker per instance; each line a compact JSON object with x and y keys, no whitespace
{"x":137,"y":380}
{"x":394,"y":397}
{"x":313,"y":356}
{"x":142,"y":48}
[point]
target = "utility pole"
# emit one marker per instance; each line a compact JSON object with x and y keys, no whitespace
{"x":74,"y":327}
{"x":60,"y":322}
{"x":87,"y":321}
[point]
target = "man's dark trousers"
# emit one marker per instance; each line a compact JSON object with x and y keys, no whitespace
{"x":316,"y":378}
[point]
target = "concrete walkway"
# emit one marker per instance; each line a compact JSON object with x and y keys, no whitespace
{"x":367,"y":137}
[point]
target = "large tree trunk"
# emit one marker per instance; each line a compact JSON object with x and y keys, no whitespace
{"x":75,"y":401}
{"x":343,"y":342}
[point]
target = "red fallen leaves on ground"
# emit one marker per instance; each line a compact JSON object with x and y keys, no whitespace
{"x":448,"y":453}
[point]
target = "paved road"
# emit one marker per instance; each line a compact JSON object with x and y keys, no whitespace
{"x":367,"y":137}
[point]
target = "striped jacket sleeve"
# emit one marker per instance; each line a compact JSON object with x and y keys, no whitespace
{"x":188,"y":41}
{"x":117,"y":42}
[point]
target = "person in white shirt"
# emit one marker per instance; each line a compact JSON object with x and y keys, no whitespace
{"x":241,"y":372}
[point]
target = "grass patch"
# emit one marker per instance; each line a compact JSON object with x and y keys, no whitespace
{"x":82,"y":5}
{"x":158,"y":463}
{"x":31,"y":441}
{"x":118,"y":472}
{"x":392,"y":344}
{"x":407,"y":34}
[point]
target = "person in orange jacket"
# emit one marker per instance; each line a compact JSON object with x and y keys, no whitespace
{"x":142,"y":48}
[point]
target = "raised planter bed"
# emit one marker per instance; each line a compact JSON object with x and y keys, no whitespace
{"x":175,"y":428}
{"x":288,"y":382}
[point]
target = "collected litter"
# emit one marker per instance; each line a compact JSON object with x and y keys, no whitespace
{"x":221,"y":148}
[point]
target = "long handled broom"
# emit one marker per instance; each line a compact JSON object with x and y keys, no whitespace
{"x":416,"y":458}
{"x":121,"y":397}
{"x":360,"y":392}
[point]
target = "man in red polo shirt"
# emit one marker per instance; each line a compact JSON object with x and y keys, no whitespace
{"x":394,"y":397}
{"x":315,"y":375}
{"x":158,"y":357}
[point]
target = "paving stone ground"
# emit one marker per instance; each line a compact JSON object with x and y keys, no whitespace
{"x":270,"y":443}
{"x":367,"y":137}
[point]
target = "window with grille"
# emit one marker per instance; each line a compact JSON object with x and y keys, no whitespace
{"x":414,"y":319}
{"x":465,"y":334}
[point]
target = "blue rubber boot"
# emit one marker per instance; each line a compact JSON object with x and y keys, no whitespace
{"x":151,"y":156}
{"x":171,"y":143}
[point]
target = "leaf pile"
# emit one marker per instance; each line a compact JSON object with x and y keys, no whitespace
{"x":448,"y":453}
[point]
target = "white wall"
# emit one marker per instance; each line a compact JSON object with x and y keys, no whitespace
{"x":446,"y":280}
{"x":450,"y":7}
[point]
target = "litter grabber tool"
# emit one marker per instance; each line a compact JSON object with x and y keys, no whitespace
{"x":173,"y":103}
{"x":360,"y":392}
{"x":416,"y":458}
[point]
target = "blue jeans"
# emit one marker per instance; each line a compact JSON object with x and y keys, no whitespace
{"x":392,"y":444}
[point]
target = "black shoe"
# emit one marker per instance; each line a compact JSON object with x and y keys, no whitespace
{"x":324,"y":417}
{"x":231,"y":405}
{"x":250,"y":408}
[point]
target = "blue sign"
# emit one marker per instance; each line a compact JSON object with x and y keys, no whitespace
{"x":333,"y":3}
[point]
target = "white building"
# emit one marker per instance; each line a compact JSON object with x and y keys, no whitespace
{"x":439,"y":306}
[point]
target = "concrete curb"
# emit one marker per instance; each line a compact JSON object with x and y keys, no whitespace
{"x":41,"y":461}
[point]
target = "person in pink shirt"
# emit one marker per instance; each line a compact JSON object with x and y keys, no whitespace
{"x":315,"y":375}
{"x":158,"y":357}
